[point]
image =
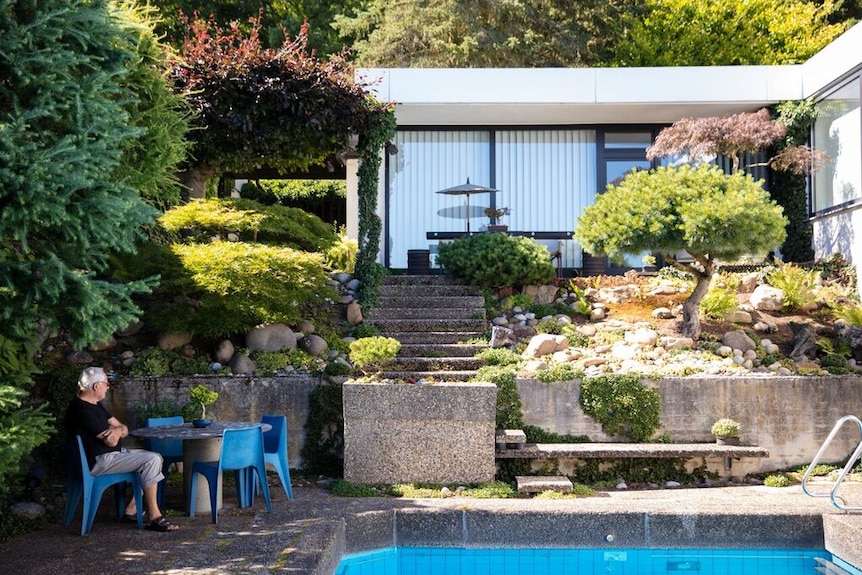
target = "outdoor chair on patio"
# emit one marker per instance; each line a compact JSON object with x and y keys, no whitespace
{"x":80,"y":482}
{"x":242,"y":453}
{"x":171,"y":450}
{"x":275,"y":450}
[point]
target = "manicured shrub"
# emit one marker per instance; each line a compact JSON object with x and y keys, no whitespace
{"x":201,"y":220}
{"x":239,"y":285}
{"x":370,"y":353}
{"x":622,"y":404}
{"x":496,"y":261}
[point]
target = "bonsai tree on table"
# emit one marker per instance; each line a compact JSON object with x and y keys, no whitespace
{"x":199,"y":398}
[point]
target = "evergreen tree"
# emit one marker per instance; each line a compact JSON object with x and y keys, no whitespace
{"x":67,"y":199}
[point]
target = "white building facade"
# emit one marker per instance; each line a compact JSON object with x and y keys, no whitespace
{"x":549,"y":140}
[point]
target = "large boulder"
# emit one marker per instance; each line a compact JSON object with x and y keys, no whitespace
{"x":767,"y":298}
{"x":738,"y":339}
{"x":271,"y":337}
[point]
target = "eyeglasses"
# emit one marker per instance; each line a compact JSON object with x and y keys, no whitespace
{"x":105,"y":383}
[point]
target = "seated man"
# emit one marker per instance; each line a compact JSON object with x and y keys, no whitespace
{"x":101,"y":433}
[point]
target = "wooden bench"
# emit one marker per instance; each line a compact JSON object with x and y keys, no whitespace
{"x":632,"y":450}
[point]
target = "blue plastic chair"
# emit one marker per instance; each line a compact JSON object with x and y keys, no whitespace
{"x":241,"y":452}
{"x":171,"y":450}
{"x":275,"y":450}
{"x":79,"y":481}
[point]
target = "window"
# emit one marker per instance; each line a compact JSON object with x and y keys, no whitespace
{"x":837,"y":132}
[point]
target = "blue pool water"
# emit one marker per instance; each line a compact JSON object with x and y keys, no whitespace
{"x":457,"y":561}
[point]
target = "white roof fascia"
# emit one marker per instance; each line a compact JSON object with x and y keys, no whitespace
{"x":843,"y":55}
{"x":542,"y":96}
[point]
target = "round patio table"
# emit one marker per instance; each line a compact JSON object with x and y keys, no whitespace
{"x":199,"y":444}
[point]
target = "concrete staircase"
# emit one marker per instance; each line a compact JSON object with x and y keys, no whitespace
{"x":431,"y":315}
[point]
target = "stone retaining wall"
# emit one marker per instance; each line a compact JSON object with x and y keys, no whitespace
{"x":789,"y":416}
{"x":438,"y":433}
{"x":241,"y":398}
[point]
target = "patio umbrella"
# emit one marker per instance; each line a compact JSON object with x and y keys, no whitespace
{"x":466,"y":190}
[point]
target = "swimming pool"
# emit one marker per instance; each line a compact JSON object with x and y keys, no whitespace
{"x":461,"y":561}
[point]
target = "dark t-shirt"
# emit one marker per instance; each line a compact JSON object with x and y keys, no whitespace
{"x":88,"y":420}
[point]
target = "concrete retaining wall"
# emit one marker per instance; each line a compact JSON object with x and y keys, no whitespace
{"x":790,"y":416}
{"x":241,"y":398}
{"x":439,"y":433}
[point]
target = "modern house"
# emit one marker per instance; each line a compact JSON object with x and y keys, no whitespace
{"x":550,"y":139}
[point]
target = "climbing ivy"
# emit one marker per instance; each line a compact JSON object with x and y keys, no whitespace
{"x":622,"y":404}
{"x":323,"y":450}
{"x":367,"y":270}
{"x":788,"y":189}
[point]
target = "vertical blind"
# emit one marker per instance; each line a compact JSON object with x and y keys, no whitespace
{"x":545,"y":177}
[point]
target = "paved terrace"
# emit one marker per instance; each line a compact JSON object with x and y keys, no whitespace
{"x":308,"y":535}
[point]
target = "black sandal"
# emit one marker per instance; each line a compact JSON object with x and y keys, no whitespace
{"x":161,"y":525}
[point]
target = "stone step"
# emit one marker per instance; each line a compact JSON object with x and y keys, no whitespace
{"x":421,"y":291}
{"x":416,"y":376}
{"x":439,"y":350}
{"x":436,"y":363}
{"x":453,"y":312}
{"x":435,"y":337}
{"x":390,"y":326}
{"x":434,"y":279}
{"x":510,"y":439}
{"x":432,"y":302}
{"x":538,"y":484}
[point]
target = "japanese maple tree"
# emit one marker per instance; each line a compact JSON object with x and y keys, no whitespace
{"x":282,"y":107}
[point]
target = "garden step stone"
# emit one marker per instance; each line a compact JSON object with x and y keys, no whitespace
{"x":435,"y":279}
{"x":453,"y":325}
{"x":436,"y":363}
{"x":446,"y":312}
{"x":434,"y":302}
{"x":428,"y":376}
{"x":429,"y":349}
{"x":538,"y":484}
{"x":434,"y":337}
{"x":427,"y":291}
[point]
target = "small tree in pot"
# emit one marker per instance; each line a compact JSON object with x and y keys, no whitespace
{"x":199,"y":397}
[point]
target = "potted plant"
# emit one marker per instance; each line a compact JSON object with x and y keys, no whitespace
{"x":496,"y":214}
{"x":199,"y":398}
{"x":726,"y":431}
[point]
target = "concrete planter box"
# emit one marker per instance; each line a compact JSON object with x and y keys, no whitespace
{"x":437,"y":433}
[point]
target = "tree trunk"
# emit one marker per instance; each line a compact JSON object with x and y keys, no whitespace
{"x":194,"y":180}
{"x":691,"y":307}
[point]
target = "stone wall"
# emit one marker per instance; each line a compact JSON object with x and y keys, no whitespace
{"x":241,"y":398}
{"x":790,"y":416}
{"x":438,"y":433}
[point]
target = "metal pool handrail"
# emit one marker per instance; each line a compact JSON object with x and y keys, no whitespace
{"x":833,"y":493}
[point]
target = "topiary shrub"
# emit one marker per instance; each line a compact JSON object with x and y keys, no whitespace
{"x":496,"y":261}
{"x":202,"y":220}
{"x":622,"y":405}
{"x":238,"y":285}
{"x":371,"y":353}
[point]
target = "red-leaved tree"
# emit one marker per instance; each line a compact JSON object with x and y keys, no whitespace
{"x":282,"y":108}
{"x":733,"y":136}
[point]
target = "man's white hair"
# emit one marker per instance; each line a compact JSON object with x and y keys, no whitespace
{"x":91,"y":376}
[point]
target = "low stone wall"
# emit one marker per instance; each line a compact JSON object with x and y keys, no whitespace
{"x":241,"y":398}
{"x":439,"y":433}
{"x":789,"y":416}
